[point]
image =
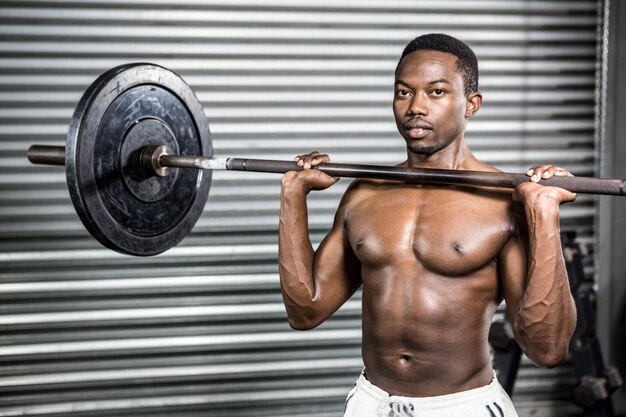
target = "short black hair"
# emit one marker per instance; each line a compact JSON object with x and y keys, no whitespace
{"x":466,"y":59}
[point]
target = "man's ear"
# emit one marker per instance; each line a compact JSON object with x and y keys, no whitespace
{"x":472,"y":103}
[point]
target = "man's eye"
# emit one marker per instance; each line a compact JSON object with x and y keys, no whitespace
{"x":438,"y":92}
{"x":403,"y":93}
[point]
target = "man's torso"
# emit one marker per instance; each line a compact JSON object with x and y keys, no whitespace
{"x":430,"y":282}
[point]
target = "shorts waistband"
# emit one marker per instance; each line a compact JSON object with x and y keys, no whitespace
{"x":474,"y":396}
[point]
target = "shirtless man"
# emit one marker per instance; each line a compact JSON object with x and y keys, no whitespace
{"x":434,"y":261}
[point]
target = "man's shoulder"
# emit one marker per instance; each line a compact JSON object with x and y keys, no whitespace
{"x":361,"y":188}
{"x":477,"y":165}
{"x":365,"y":189}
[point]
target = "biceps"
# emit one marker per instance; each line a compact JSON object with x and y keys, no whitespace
{"x":337,"y":270}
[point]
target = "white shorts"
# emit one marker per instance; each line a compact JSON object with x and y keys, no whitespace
{"x":367,"y":400}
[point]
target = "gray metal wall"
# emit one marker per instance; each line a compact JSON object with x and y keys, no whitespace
{"x":611,"y":270}
{"x":200,"y":330}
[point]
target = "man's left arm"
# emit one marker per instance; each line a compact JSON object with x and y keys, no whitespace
{"x":534,"y":276}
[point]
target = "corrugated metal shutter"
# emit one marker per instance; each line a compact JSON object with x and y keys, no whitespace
{"x":200,"y":330}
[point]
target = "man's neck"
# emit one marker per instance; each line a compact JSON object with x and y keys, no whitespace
{"x":455,"y":156}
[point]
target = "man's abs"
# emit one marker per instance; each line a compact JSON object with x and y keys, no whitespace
{"x":426,"y":336}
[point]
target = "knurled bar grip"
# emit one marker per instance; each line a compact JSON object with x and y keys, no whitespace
{"x":583,"y":185}
{"x":55,"y":155}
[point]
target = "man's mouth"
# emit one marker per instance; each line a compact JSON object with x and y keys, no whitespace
{"x":417,"y":129}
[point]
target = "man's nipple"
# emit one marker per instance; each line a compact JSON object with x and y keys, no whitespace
{"x":458,"y":248}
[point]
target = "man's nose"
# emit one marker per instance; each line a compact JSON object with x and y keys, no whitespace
{"x":418,"y":105}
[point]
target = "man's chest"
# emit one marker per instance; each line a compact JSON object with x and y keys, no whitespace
{"x":449,"y":232}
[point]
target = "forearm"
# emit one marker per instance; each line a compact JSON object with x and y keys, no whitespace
{"x":295,"y":255}
{"x":546,"y":316}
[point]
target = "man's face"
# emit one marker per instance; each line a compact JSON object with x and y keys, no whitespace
{"x":429,"y":102}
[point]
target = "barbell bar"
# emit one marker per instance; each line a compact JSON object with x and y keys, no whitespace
{"x":139,"y":128}
{"x":159,"y":159}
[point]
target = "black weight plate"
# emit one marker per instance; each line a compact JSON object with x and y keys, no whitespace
{"x":124,"y":110}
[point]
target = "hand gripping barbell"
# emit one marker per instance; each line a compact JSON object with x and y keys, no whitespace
{"x":138,"y":123}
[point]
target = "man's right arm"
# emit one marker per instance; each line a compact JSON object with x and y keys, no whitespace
{"x":536,"y":287}
{"x":314,"y":283}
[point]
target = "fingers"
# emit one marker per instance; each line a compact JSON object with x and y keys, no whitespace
{"x":308,"y":179}
{"x":531,"y":194}
{"x":544,"y":172}
{"x":311,"y":159}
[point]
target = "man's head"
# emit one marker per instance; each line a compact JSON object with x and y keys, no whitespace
{"x":466,"y":60}
{"x":435,"y":93}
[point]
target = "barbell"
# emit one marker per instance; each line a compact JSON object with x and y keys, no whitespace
{"x":139,"y":126}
